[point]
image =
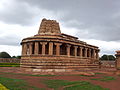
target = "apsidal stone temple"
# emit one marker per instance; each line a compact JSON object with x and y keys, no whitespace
{"x":51,"y":50}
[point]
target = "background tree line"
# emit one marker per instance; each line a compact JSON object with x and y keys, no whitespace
{"x":6,"y":55}
{"x":107,"y":57}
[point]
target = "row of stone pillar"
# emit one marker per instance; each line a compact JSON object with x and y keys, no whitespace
{"x":87,"y":51}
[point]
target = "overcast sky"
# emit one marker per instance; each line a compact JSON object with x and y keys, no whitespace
{"x":96,"y":22}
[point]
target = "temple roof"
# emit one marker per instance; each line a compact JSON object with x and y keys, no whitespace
{"x":49,"y":30}
{"x":49,"y":26}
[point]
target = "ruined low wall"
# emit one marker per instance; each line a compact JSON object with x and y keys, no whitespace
{"x":106,"y":63}
{"x":9,"y":60}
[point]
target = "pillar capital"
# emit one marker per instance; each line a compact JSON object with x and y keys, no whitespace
{"x":75,"y":46}
{"x":58,"y":44}
{"x":68,"y":45}
{"x":43,"y":43}
{"x":30,"y":43}
{"x":81,"y":47}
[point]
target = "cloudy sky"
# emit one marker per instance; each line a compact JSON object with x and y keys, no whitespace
{"x":95,"y":21}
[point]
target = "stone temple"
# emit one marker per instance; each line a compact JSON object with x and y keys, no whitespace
{"x":51,"y":50}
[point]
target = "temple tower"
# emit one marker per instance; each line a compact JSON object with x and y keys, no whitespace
{"x":49,"y":26}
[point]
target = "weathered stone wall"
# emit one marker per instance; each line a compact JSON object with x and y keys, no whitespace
{"x":108,"y":64}
{"x":9,"y":60}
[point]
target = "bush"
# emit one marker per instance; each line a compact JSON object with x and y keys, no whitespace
{"x":4,"y":55}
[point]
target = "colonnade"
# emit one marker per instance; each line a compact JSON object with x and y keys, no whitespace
{"x":52,"y":48}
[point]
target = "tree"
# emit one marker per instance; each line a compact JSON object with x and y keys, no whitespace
{"x":111,"y":58}
{"x":107,"y":57}
{"x":18,"y":57}
{"x":13,"y":56}
{"x":104,"y":57}
{"x":4,"y":55}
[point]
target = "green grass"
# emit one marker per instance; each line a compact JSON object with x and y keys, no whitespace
{"x":9,"y":65}
{"x":16,"y":84}
{"x":105,"y":78}
{"x":98,"y":73}
{"x":71,"y":85}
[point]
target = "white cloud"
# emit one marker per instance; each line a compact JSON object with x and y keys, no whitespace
{"x":96,"y":22}
{"x":104,"y":46}
{"x":12,"y":50}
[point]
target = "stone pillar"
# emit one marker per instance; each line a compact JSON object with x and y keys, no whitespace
{"x":86,"y":52}
{"x":36,"y":50}
{"x":58,"y":48}
{"x":75,"y":50}
{"x":97,"y":55}
{"x":68,"y":50}
{"x":43,"y":47}
{"x":30,"y":48}
{"x":93,"y":56}
{"x":23,"y":48}
{"x":50,"y":48}
{"x":89,"y":52}
{"x":81,"y":51}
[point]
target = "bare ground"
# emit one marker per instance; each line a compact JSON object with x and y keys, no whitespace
{"x":35,"y":80}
